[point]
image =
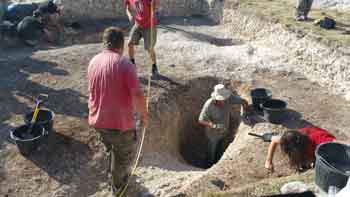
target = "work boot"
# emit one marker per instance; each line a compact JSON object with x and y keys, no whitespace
{"x":155,"y":72}
{"x":132,"y":60}
{"x":300,"y":18}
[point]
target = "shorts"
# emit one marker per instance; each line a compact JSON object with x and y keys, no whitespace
{"x":138,"y":32}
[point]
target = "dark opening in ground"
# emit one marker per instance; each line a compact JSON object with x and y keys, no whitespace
{"x":192,"y":139}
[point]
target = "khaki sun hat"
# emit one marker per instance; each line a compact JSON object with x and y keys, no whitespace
{"x":220,"y":93}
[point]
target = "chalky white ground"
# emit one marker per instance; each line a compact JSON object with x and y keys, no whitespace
{"x":203,"y":50}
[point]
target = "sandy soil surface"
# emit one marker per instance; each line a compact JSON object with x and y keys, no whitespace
{"x":72,"y":163}
{"x":335,"y":4}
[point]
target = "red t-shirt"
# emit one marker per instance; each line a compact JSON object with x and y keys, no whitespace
{"x":142,"y":12}
{"x":317,"y":136}
{"x":112,"y":82}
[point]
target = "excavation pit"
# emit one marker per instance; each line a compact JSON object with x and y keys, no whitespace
{"x":180,"y":133}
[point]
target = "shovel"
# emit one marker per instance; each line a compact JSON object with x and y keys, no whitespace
{"x":266,"y":137}
{"x":40,"y":100}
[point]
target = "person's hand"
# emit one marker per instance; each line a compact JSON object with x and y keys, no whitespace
{"x":144,"y":119}
{"x":131,"y":18}
{"x":217,"y":126}
{"x":269,"y":166}
{"x":211,"y":125}
{"x":245,"y":105}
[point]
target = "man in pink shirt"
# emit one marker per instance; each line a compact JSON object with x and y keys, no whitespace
{"x":142,"y":12}
{"x":114,"y":93}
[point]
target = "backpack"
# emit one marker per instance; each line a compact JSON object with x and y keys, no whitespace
{"x":327,"y":23}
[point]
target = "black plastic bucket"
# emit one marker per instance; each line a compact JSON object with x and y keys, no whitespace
{"x":45,"y":119}
{"x":28,"y":142}
{"x":260,"y":96}
{"x":332,"y":165}
{"x":274,"y":111}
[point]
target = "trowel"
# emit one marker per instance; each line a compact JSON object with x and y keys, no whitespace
{"x":266,"y":137}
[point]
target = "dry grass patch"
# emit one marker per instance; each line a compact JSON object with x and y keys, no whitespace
{"x":265,"y":187}
{"x":282,"y":11}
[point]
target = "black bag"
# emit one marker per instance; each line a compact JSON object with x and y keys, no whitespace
{"x":327,"y":23}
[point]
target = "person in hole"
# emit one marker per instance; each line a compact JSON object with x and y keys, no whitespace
{"x":215,"y":117}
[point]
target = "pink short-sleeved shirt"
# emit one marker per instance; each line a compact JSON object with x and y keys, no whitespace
{"x":112,"y":83}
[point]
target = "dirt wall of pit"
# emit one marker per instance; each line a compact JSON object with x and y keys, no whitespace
{"x":174,"y":129}
{"x":175,"y":111}
{"x":319,"y":60}
{"x":99,"y":9}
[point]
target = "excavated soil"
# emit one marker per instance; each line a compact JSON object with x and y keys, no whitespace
{"x":194,"y":55}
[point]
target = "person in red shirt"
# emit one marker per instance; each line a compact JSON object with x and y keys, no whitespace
{"x":142,"y":12}
{"x":299,"y":146}
{"x":114,"y":93}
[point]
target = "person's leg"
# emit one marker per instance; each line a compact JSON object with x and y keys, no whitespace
{"x":121,"y":151}
{"x":123,"y":157}
{"x":135,"y":36}
{"x":153,"y":56}
{"x":213,"y":140}
{"x":105,"y":138}
{"x":150,"y":40}
{"x":219,"y":147}
{"x":300,"y":7}
{"x":307,"y":8}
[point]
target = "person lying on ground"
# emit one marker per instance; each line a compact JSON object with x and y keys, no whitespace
{"x":115,"y":94}
{"x":215,"y":116}
{"x":32,"y":31}
{"x":299,"y":146}
{"x":302,"y":9}
{"x":143,"y":14}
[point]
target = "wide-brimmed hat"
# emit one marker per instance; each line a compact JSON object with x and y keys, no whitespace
{"x":220,"y":93}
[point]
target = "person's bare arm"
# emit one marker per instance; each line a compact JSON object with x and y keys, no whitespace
{"x":275,"y":141}
{"x":53,"y":20}
{"x":155,"y":4}
{"x":129,"y":13}
{"x":48,"y":35}
{"x":245,"y":104}
{"x":206,"y":123}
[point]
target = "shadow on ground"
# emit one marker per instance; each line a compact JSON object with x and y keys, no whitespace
{"x":18,"y":91}
{"x":291,"y":120}
{"x":205,"y":38}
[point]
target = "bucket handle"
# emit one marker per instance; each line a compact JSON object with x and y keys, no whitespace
{"x":326,"y":162}
{"x":13,"y":136}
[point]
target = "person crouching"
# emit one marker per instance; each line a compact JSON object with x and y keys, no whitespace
{"x":32,"y":31}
